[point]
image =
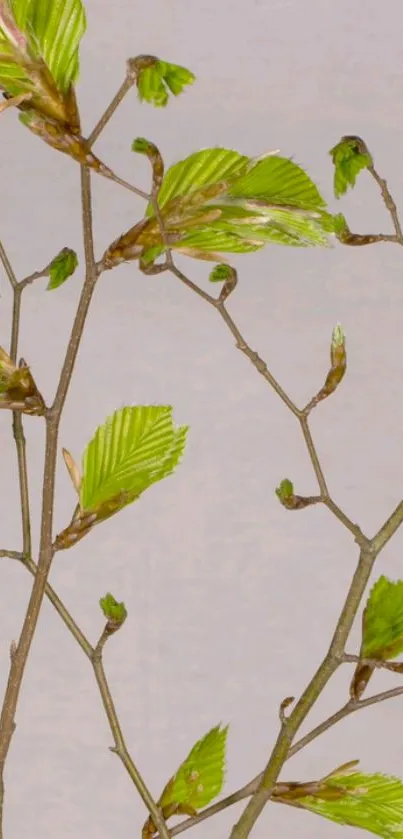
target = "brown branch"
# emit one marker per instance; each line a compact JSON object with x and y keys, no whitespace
{"x":52,"y":418}
{"x":109,"y":112}
{"x":262,"y":368}
{"x":375,"y":663}
{"x":95,"y":657}
{"x":390,"y":206}
{"x":249,"y":788}
{"x":120,"y":748}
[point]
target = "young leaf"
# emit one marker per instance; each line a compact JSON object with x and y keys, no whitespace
{"x":156,"y":78}
{"x":280,"y":181}
{"x":61,"y":268}
{"x":221,"y":273}
{"x":371,"y":802}
{"x":349,"y":156}
{"x":285,"y":491}
{"x":205,"y":167}
{"x":200,"y":777}
{"x":53,"y":30}
{"x":382,"y":625}
{"x":134,"y":448}
{"x":115,"y":613}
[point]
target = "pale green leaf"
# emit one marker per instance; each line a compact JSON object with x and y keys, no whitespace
{"x":157,"y":79}
{"x":371,"y":802}
{"x":239,"y":230}
{"x":212,"y":239}
{"x":113,"y":610}
{"x":61,"y":268}
{"x":382,"y":635}
{"x":205,"y":167}
{"x":349,"y":157}
{"x":53,"y":29}
{"x":221,"y":273}
{"x":200,"y":777}
{"x":134,"y":448}
{"x":278,"y":180}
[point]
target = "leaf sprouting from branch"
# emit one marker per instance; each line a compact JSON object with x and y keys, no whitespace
{"x":135,"y":447}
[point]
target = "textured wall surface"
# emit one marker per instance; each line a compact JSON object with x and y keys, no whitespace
{"x":232,"y":601}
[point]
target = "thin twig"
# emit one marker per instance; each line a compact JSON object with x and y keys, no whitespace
{"x":329,"y":665}
{"x":303,"y":421}
{"x":375,"y":663}
{"x":108,"y":114}
{"x":18,"y":432}
{"x":52,"y":418}
{"x":94,"y":654}
{"x":120,"y":747}
{"x":248,"y":790}
{"x":262,"y":368}
{"x":389,"y":204}
{"x":8,"y":267}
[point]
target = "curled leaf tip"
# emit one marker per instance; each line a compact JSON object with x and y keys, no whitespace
{"x":156,"y":79}
{"x":338,"y":336}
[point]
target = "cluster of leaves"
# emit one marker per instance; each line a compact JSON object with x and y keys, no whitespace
{"x":219,"y":201}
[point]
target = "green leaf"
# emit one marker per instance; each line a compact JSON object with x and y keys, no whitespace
{"x":114,"y":612}
{"x":200,"y":777}
{"x":156,"y":80}
{"x":54,"y":29}
{"x":278,"y":180}
{"x":204,"y":168}
{"x":382,"y":635}
{"x":134,"y":448}
{"x":62,"y":267}
{"x":221,"y":273}
{"x":349,"y":156}
{"x":239,"y":230}
{"x":285,"y":490}
{"x":371,"y":802}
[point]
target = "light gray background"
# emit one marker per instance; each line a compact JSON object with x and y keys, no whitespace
{"x":232,"y":600}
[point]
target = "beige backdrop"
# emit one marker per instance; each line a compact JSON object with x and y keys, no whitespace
{"x":232,"y":600}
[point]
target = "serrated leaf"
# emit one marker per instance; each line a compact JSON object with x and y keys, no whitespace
{"x":349,"y":159}
{"x":134,"y":448}
{"x":382,"y":634}
{"x":54,"y":29}
{"x":113,"y":611}
{"x":230,"y":233}
{"x":61,"y":268}
{"x":201,"y":169}
{"x":278,"y":180}
{"x":200,"y":777}
{"x":370,"y":802}
{"x":158,"y":78}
